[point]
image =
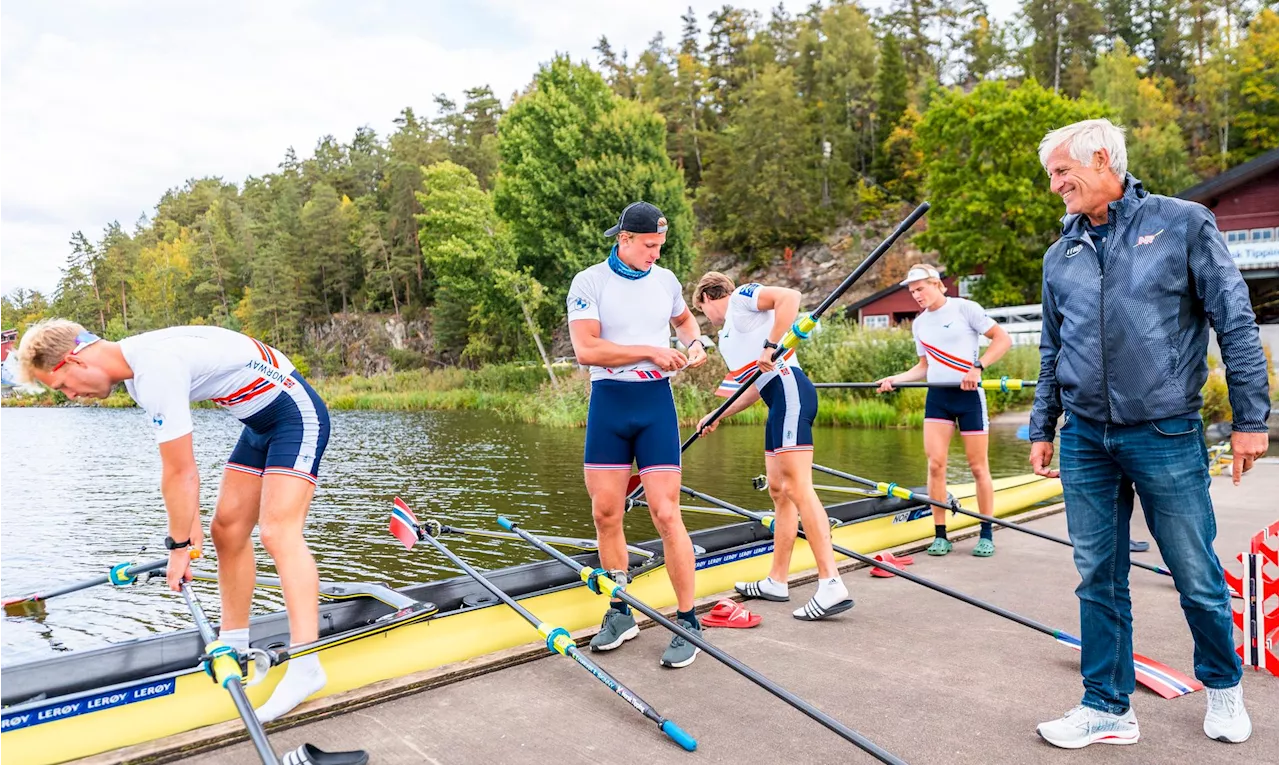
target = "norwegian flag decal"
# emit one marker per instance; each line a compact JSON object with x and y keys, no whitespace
{"x":404,"y":526}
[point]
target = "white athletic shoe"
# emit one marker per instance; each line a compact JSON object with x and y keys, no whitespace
{"x":1226,"y":719}
{"x":1083,"y":726}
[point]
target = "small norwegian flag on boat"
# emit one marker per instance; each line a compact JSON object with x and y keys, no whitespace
{"x":404,"y":526}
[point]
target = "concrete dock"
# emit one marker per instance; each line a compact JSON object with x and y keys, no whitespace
{"x":926,"y":677}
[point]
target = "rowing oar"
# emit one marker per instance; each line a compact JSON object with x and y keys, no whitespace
{"x":121,"y":575}
{"x":801,"y":329}
{"x":406,"y":528}
{"x":902,"y":492}
{"x":599,"y":582}
{"x":1003,"y":384}
{"x":222,"y":663}
{"x":1160,"y":678}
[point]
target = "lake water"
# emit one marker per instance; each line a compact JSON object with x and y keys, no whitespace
{"x":80,"y":492}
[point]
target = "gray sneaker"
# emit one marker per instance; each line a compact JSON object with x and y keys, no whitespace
{"x":616,"y":629}
{"x":680,"y":653}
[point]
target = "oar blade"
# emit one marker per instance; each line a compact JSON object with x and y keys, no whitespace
{"x":1164,"y":680}
{"x":633,"y":483}
{"x":404,"y":525}
{"x":28,"y":606}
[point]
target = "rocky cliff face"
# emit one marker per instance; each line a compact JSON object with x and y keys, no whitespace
{"x":816,"y":269}
{"x":367,"y":344}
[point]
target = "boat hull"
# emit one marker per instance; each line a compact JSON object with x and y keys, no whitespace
{"x":139,"y":705}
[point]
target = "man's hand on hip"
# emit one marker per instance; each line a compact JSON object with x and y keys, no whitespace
{"x":1245,"y":448}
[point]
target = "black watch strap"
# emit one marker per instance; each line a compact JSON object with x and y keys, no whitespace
{"x":170,"y":544}
{"x":768,"y":344}
{"x":978,"y":365}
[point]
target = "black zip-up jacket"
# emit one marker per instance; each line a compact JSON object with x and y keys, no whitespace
{"x":1125,"y":335}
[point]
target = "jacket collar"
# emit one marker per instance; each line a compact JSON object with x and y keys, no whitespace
{"x":1074,"y":226}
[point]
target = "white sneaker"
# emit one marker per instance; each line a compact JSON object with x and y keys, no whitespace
{"x":1083,"y":726}
{"x":1226,"y":719}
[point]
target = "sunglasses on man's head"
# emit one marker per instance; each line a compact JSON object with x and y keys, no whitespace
{"x":83,"y":340}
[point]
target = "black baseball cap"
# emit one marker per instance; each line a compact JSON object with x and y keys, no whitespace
{"x":639,"y":218}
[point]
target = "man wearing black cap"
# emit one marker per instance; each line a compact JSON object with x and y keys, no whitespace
{"x":621,"y":312}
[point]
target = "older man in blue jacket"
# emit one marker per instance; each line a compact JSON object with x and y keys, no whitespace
{"x":1129,"y":294}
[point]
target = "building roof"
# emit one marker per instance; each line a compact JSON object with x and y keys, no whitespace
{"x":853,"y":308}
{"x":1264,"y":164}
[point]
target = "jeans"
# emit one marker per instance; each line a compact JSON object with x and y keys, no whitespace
{"x":1167,"y":463}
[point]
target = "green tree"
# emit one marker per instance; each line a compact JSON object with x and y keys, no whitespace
{"x":763,"y":184}
{"x":1065,"y":39}
{"x":327,"y":221}
{"x":991,"y":204}
{"x":463,"y":243}
{"x":1257,"y":77}
{"x":891,"y":102}
{"x":573,"y":155}
{"x":471,"y":134}
{"x":1157,"y":150}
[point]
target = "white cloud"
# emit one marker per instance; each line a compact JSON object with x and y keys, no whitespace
{"x":106,"y":105}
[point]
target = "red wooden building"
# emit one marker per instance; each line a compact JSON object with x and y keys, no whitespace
{"x":1246,"y":202}
{"x":7,"y":338}
{"x":892,"y":305}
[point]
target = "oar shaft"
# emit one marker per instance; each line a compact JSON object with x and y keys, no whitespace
{"x":127,"y":574}
{"x":227,"y":673}
{"x":610,"y":587}
{"x":791,"y":339}
{"x":889,"y":489}
{"x":558,"y":640}
{"x":903,"y":493}
{"x":985,"y":606}
{"x":996,"y":384}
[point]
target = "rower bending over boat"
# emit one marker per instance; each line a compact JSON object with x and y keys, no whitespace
{"x":946,"y":332}
{"x":619,"y":316}
{"x":755,"y":318}
{"x":269,"y":479}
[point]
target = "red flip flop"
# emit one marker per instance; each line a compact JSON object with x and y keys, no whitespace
{"x":730,"y":613}
{"x":892,"y":560}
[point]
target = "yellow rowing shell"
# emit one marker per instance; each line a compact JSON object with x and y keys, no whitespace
{"x":135,"y":713}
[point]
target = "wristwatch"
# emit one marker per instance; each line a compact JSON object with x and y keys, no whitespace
{"x":172,"y":545}
{"x":978,"y":365}
{"x":768,"y":344}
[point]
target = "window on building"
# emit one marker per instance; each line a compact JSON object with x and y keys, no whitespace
{"x":1237,"y":236}
{"x":1262,"y":235}
{"x":879,"y":321}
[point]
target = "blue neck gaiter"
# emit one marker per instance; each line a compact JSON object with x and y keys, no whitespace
{"x":622,"y":269}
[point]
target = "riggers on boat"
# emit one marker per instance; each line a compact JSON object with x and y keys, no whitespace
{"x":95,"y":701}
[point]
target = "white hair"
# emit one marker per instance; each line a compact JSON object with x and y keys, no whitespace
{"x":1086,"y":138}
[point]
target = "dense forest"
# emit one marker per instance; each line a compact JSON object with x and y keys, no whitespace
{"x":753,"y":133}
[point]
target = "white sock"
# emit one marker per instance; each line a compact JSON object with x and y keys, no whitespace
{"x":831,"y":591}
{"x":303,"y":676}
{"x":237,"y":639}
{"x":772,"y":586}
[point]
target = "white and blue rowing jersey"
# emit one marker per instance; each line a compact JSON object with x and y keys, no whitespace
{"x":630,"y":312}
{"x":176,"y":366}
{"x":746,"y":327}
{"x":948,"y":338}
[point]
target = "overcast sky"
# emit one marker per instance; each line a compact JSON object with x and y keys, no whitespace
{"x":105,"y":104}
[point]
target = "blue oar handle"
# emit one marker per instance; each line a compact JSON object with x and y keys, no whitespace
{"x":677,"y":734}
{"x":506,"y":524}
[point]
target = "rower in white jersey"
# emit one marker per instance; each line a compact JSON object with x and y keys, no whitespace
{"x":946,"y":332}
{"x":755,"y":318}
{"x":269,"y":479}
{"x":621,"y":312}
